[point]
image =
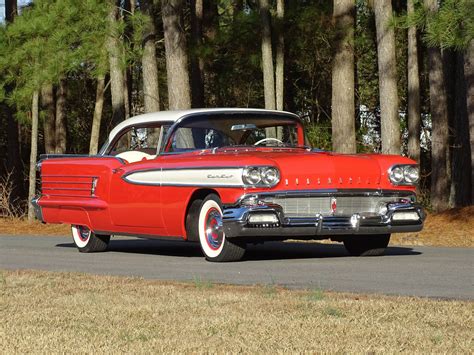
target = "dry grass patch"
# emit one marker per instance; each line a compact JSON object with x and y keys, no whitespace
{"x":20,"y":226}
{"x":64,"y":312}
{"x":452,"y":228}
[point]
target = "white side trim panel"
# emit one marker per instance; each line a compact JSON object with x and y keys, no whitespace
{"x":189,"y":177}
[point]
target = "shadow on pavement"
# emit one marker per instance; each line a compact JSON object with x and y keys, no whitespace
{"x":267,"y":251}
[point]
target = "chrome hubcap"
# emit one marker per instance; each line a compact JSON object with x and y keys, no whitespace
{"x":213,"y":229}
{"x":84,"y":233}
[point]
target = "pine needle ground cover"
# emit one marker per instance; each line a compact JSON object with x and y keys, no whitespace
{"x":452,"y":228}
{"x":69,"y":313}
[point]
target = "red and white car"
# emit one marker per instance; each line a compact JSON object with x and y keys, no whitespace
{"x":223,"y":178}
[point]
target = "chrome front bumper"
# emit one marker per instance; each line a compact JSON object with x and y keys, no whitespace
{"x":236,"y":222}
{"x":37,"y":209}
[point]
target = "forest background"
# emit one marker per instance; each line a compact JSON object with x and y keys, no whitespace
{"x":365,"y":76}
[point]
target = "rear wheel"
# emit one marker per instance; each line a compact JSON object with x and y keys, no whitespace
{"x":88,"y":242}
{"x":367,"y":245}
{"x":212,"y":239}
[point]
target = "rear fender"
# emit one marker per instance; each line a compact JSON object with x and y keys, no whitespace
{"x":75,"y":189}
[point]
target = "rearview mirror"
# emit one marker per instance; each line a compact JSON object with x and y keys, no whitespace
{"x":243,"y":127}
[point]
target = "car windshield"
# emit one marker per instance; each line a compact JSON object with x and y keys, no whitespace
{"x":218,"y":131}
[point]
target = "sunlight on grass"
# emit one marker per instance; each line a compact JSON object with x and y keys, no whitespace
{"x":69,"y":312}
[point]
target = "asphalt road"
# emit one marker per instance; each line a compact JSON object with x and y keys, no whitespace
{"x":418,"y":271}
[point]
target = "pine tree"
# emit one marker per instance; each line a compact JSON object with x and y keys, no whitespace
{"x":343,"y":105}
{"x":414,"y":109}
{"x":151,"y":91}
{"x":179,"y":94}
{"x":387,"y":69}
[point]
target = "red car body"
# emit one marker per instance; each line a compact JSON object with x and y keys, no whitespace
{"x":317,"y":195}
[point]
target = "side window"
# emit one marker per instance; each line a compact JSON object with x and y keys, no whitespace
{"x":143,"y":139}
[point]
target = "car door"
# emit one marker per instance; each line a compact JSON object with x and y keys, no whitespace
{"x":136,"y":204}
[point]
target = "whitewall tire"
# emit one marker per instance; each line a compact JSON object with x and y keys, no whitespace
{"x":211,"y":234}
{"x":88,"y":242}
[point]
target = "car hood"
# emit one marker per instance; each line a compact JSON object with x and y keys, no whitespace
{"x":303,"y":169}
{"x":300,"y":168}
{"x":315,"y":170}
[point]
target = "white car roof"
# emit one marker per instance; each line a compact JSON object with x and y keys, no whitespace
{"x":173,"y":116}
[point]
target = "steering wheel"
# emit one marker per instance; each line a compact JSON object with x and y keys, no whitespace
{"x":268,"y":140}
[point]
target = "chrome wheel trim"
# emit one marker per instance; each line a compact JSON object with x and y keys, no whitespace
{"x":81,"y":235}
{"x":211,"y":234}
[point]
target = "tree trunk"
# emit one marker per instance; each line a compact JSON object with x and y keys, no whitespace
{"x":99,"y":104}
{"x":11,"y":10}
{"x":267,"y":62}
{"x":151,"y":93}
{"x":197,"y":63}
{"x":127,"y":72}
{"x":14,"y":162}
{"x":60,"y":134}
{"x":414,"y":111}
{"x":117,"y":80}
{"x":179,"y":95}
{"x":127,"y":79}
{"x":33,"y":154}
{"x":210,"y":23}
{"x":280,"y":57}
{"x":343,"y":109}
{"x":387,"y":69}
{"x":439,"y":118}
{"x":469,"y":75}
{"x":49,"y":125}
{"x":449,"y":76}
{"x":267,"y":56}
{"x":461,"y":167}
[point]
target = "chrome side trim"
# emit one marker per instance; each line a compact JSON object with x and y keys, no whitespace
{"x":143,"y":236}
{"x":196,"y":176}
{"x":209,"y":181}
{"x":75,"y":156}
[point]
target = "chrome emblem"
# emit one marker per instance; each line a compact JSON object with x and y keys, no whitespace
{"x":221,"y":176}
{"x":333,"y":205}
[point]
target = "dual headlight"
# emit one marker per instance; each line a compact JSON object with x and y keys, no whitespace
{"x":261,"y":176}
{"x":404,"y":174}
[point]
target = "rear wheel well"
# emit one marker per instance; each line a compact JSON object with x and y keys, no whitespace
{"x":192,"y":208}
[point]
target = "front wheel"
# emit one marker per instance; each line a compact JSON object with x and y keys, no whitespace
{"x":88,"y":242}
{"x":212,"y":239}
{"x":367,"y":245}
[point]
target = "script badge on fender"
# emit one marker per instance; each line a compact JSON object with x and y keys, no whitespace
{"x":333,"y":205}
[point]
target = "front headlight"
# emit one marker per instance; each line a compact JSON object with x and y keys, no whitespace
{"x":396,"y":175}
{"x":404,"y":174}
{"x":251,"y":176}
{"x":265,"y":176}
{"x":270,"y":176}
{"x":411,"y":174}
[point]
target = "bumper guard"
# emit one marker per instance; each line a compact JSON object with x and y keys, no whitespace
{"x":236,"y":222}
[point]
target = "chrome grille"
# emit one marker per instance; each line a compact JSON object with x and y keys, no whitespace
{"x":346,"y":205}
